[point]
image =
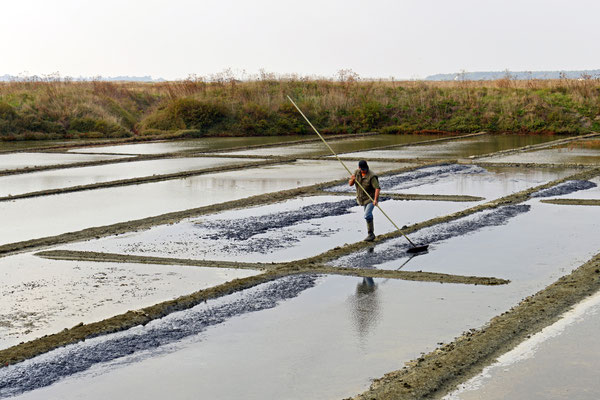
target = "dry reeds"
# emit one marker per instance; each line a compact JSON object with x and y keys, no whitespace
{"x":259,"y":106}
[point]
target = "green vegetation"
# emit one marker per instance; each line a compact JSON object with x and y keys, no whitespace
{"x":227,"y":107}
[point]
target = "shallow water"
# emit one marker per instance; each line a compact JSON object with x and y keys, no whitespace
{"x":532,"y":244}
{"x":458,"y":148}
{"x":560,"y":362}
{"x":23,"y":160}
{"x":62,"y":178}
{"x":323,"y":338}
{"x":287,"y":231}
{"x":40,"y":296}
{"x":557,"y":155}
{"x":52,"y":215}
{"x":339,"y":146}
{"x":472,"y":180}
{"x":188,"y":144}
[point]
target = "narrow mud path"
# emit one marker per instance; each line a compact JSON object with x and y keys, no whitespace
{"x":573,"y":202}
{"x":299,"y":267}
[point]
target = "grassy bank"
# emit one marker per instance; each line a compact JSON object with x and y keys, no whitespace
{"x":192,"y":108}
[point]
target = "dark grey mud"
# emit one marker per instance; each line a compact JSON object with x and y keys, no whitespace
{"x":565,"y":188}
{"x":444,"y":231}
{"x":245,"y":228}
{"x":42,"y":372}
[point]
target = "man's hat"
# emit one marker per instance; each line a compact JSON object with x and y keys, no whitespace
{"x":362,"y":164}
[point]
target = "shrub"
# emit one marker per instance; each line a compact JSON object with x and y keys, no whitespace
{"x":196,"y":114}
{"x":185,"y":113}
{"x":8,"y":117}
{"x":87,"y":125}
{"x":369,"y":115}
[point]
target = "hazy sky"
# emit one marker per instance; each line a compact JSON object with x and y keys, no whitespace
{"x":401,"y":39}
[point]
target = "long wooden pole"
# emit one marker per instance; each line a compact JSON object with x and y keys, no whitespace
{"x":359,"y":185}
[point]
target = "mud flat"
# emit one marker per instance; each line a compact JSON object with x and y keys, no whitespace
{"x":12,"y":185}
{"x":286,"y":320}
{"x":459,"y":148}
{"x":13,"y":161}
{"x":559,"y":362}
{"x":281,"y":232}
{"x":466,"y":180}
{"x":298,"y":337}
{"x":41,"y":297}
{"x":186,"y":145}
{"x":75,"y":211}
{"x":339,"y":146}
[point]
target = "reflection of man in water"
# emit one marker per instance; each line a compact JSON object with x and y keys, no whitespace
{"x":367,"y":286}
{"x":365,"y":306}
{"x":368,"y":180}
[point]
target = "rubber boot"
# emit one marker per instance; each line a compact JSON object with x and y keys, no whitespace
{"x":371,"y":232}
